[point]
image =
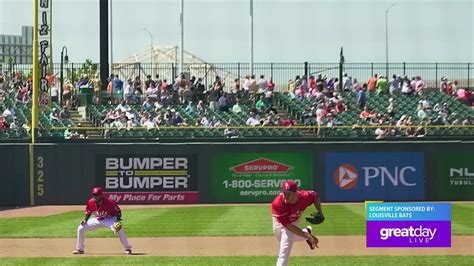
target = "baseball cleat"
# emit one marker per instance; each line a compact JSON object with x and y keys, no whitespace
{"x":310,"y":244}
{"x":78,"y":252}
{"x":128,"y":252}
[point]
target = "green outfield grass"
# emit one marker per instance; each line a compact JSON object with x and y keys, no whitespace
{"x":260,"y":260}
{"x":210,"y":221}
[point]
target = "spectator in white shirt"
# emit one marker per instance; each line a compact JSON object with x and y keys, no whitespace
{"x":246,"y":84}
{"x":262,"y":84}
{"x":8,"y":112}
{"x":121,"y":122}
{"x":252,"y":120}
{"x":152,"y":92}
{"x":149,"y":123}
{"x":15,"y":124}
{"x":131,"y":123}
{"x":205,"y":121}
{"x":347,"y":81}
{"x":54,"y":93}
{"x":123,"y":107}
{"x":395,"y":85}
{"x":128,"y":90}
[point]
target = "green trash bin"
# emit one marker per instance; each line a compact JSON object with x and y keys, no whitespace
{"x":86,"y":94}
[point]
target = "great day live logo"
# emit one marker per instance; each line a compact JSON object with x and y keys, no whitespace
{"x":408,"y":224}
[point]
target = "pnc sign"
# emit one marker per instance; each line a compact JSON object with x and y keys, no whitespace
{"x":377,"y":176}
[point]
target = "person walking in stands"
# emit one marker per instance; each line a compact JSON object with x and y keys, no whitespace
{"x":360,"y":96}
{"x":117,"y":86}
{"x":372,"y":83}
{"x":382,"y":85}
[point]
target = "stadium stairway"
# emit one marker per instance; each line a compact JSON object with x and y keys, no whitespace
{"x":79,"y":119}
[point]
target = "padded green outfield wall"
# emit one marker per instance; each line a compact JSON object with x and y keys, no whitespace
{"x":148,"y":173}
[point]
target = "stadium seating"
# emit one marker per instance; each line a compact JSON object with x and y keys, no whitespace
{"x":405,"y":105}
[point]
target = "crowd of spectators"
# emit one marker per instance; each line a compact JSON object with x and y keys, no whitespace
{"x":13,"y":91}
{"x":327,"y":103}
{"x":251,"y":98}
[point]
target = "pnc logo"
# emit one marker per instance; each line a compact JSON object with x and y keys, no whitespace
{"x":345,"y":176}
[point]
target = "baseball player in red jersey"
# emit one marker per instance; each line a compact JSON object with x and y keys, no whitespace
{"x":287,"y":208}
{"x":107,"y":214}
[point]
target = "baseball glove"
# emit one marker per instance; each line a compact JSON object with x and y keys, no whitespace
{"x":316,"y":218}
{"x":116,"y":227}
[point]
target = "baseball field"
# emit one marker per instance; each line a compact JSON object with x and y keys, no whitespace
{"x":213,"y":235}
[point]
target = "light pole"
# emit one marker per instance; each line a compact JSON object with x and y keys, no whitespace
{"x":111,"y":39}
{"x":386,"y":39}
{"x":181,"y":39}
{"x":151,"y":50}
{"x":251,"y":38}
{"x":64,"y":59}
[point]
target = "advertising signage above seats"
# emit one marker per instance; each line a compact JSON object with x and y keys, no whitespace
{"x":359,"y":176}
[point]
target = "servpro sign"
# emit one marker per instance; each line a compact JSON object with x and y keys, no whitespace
{"x":261,"y":165}
{"x":148,"y":179}
{"x":257,"y":177}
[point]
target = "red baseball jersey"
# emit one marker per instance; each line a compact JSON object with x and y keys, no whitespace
{"x":107,"y":209}
{"x":288,"y":213}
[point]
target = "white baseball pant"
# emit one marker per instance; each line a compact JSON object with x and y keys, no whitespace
{"x":94,"y":224}
{"x":286,"y":239}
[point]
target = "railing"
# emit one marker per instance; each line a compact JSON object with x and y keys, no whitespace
{"x":281,"y":72}
{"x":360,"y":132}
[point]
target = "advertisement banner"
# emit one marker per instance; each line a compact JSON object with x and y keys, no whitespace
{"x":455,"y":176}
{"x":360,"y":176}
{"x":144,"y":179}
{"x":257,"y":177}
{"x":408,"y":225}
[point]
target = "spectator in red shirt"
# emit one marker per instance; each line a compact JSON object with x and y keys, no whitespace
{"x":372,"y":83}
{"x":3,"y":123}
{"x":288,"y":122}
{"x":270,"y":87}
{"x":365,"y":114}
{"x":287,"y":208}
{"x":449,"y":90}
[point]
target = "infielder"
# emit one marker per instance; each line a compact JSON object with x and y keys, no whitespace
{"x":107,"y":214}
{"x":287,"y":208}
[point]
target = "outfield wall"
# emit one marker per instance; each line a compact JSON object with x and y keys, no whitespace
{"x":148,"y":173}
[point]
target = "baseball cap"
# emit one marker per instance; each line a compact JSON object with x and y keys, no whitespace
{"x":289,"y":185}
{"x":97,"y":191}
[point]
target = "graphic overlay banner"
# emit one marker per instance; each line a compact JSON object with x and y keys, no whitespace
{"x":257,"y":177}
{"x":408,"y":224}
{"x":455,"y":176}
{"x":359,"y":176}
{"x":133,"y":179}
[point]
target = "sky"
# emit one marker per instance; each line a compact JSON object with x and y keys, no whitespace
{"x":218,"y":31}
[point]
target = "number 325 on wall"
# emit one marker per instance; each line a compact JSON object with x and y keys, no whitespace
{"x":39,"y":176}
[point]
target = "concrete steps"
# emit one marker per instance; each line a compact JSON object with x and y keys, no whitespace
{"x":80,"y":119}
